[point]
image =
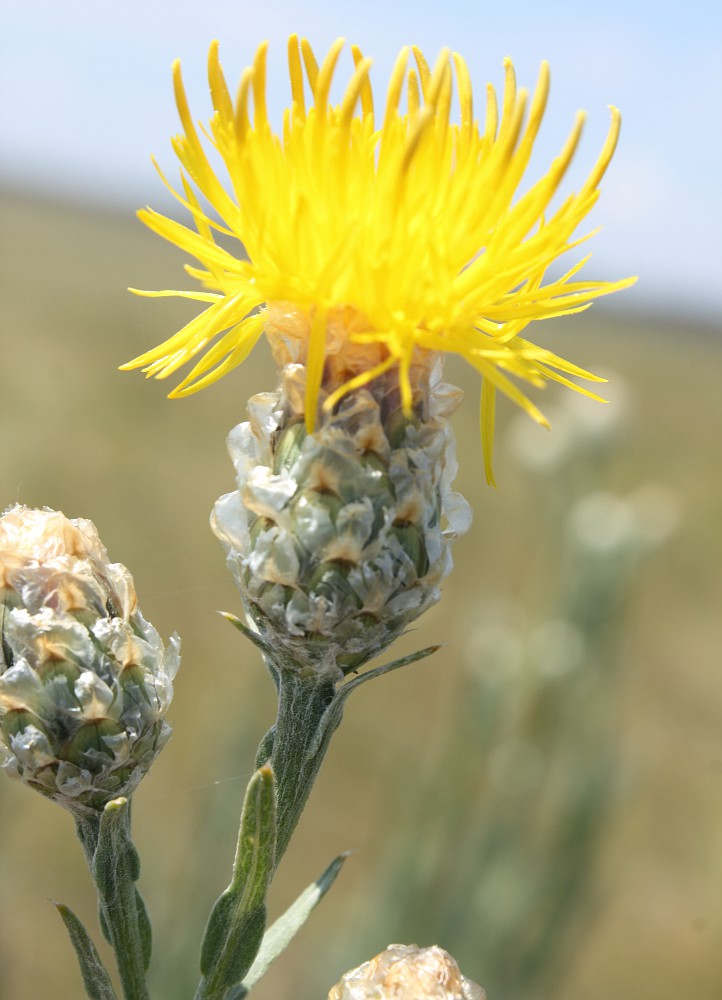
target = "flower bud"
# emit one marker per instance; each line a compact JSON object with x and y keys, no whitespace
{"x":338,"y":539}
{"x":85,"y":681}
{"x":407,"y":972}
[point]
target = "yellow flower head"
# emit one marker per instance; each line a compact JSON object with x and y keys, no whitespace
{"x":404,"y":233}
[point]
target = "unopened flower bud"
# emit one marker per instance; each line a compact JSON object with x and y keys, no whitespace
{"x":85,"y":681}
{"x":407,"y":972}
{"x":338,"y":539}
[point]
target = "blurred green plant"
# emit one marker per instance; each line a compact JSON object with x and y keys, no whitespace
{"x":501,"y":861}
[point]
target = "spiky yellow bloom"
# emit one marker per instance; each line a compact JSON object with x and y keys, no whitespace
{"x":408,"y":235}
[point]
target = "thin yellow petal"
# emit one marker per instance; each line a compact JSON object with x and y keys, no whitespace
{"x":198,"y":296}
{"x":354,"y":91}
{"x":314,"y":365}
{"x":325,"y":76}
{"x":227,"y":354}
{"x":296,"y":73}
{"x":260,"y":114}
{"x":309,"y":61}
{"x":357,"y":382}
{"x":393,"y":95}
{"x":219,"y":90}
{"x":367,"y":95}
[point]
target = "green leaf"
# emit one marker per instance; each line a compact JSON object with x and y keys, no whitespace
{"x":105,"y":930}
{"x":144,"y":924}
{"x":280,"y":934}
{"x":265,"y":747}
{"x":269,"y":653}
{"x":386,"y":668}
{"x":116,"y":868}
{"x":254,"y":637}
{"x":238,"y":919}
{"x":332,"y":716}
{"x":145,"y":928}
{"x":95,"y":977}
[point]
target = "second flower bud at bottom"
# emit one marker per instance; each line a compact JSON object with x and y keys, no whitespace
{"x":407,"y":972}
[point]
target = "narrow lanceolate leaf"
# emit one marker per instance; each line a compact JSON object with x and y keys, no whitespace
{"x":280,"y":934}
{"x":386,"y":668}
{"x":238,"y":919}
{"x":332,"y":716}
{"x":254,"y":637}
{"x":116,"y":869}
{"x":95,"y":977}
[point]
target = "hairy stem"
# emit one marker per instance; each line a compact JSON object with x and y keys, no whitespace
{"x":299,"y":744}
{"x":115,"y":867}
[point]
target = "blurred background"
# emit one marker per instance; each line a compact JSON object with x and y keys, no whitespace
{"x":544,"y":796}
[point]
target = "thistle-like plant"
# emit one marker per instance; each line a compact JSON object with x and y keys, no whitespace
{"x":365,"y":253}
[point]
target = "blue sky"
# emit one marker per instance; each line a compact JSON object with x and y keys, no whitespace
{"x":87,"y":98}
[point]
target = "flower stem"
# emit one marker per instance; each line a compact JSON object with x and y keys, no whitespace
{"x":297,"y":747}
{"x":309,"y":712}
{"x":115,"y":867}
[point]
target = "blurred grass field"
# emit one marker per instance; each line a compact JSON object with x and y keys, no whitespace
{"x":80,"y":436}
